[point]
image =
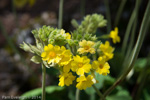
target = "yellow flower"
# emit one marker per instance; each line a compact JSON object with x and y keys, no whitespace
{"x":55,"y":54}
{"x":84,"y":82}
{"x":66,"y":68}
{"x":80,"y":65}
{"x":66,"y":35}
{"x":101,"y":66}
{"x":114,"y":35}
{"x":86,"y":46}
{"x":51,"y":54}
{"x":65,"y":56}
{"x":107,"y":50}
{"x":66,"y":79}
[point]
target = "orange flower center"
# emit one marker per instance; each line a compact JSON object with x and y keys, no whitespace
{"x":86,"y":47}
{"x":101,"y":66}
{"x":80,"y":65}
{"x":52,"y":54}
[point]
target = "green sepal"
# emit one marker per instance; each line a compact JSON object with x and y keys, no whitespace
{"x":36,"y":59}
{"x":97,"y":44}
{"x":90,"y":37}
{"x":91,"y":23}
{"x":35,"y":49}
{"x":74,"y":23}
{"x":72,"y":42}
{"x":26,"y":47}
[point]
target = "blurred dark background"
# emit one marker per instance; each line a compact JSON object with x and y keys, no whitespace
{"x":17,"y":73}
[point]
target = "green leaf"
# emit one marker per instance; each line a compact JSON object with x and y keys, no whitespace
{"x":116,"y":68}
{"x":38,"y":91}
{"x":122,"y":94}
{"x":51,"y":89}
{"x":71,"y":94}
{"x":146,"y":95}
{"x":141,"y":62}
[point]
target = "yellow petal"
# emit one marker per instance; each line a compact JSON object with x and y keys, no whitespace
{"x":77,"y":58}
{"x":56,"y":48}
{"x":50,"y":46}
{"x":82,"y":43}
{"x":95,"y":64}
{"x":43,"y":54}
{"x":80,"y":71}
{"x":90,"y":43}
{"x":81,"y":50}
{"x":87,"y":68}
{"x":74,"y":66}
{"x":92,"y":50}
{"x":46,"y":48}
{"x":68,"y":36}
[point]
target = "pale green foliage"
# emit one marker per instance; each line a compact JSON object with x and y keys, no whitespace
{"x":88,"y":27}
{"x":72,"y":42}
{"x":43,"y":33}
{"x":30,"y":48}
{"x":36,"y":59}
{"x":33,"y":49}
{"x":49,"y":35}
{"x":97,"y":44}
{"x":26,"y":47}
{"x":89,"y":37}
{"x":91,"y":23}
{"x":74,"y":23}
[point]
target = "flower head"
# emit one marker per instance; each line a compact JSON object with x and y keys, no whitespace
{"x":107,"y":50}
{"x":68,"y":36}
{"x":66,"y":79}
{"x":80,"y":65}
{"x":51,"y":54}
{"x":84,"y":82}
{"x":86,"y":46}
{"x":65,"y":56}
{"x":114,"y":35}
{"x":101,"y":66}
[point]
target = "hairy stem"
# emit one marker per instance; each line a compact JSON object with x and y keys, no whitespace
{"x":99,"y":93}
{"x":77,"y":94}
{"x":43,"y":81}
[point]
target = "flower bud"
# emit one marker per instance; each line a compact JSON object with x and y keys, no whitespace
{"x":36,"y":59}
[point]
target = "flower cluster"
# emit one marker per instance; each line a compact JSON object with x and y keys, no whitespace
{"x":78,"y":56}
{"x":78,"y":66}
